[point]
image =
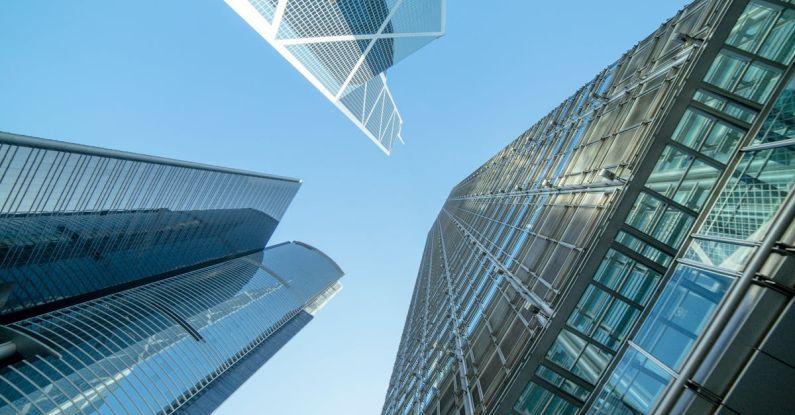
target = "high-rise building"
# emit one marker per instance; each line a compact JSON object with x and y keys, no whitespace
{"x":343,"y":47}
{"x":632,"y":252}
{"x":137,"y":284}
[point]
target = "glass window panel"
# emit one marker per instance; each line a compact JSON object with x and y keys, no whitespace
{"x":692,"y":128}
{"x":739,"y":112}
{"x":726,"y":70}
{"x":645,"y":212}
{"x":780,"y":124}
{"x":672,"y":227}
{"x":639,"y":283}
{"x":681,"y":313}
{"x":566,"y":349}
{"x":615,"y":324}
{"x":591,"y":364}
{"x":721,"y":142}
{"x":587,"y":312}
{"x":780,"y":43}
{"x":633,"y":387}
{"x":669,"y":171}
{"x":719,"y":254}
{"x":697,"y":185}
{"x":643,"y":248}
{"x":752,"y":196}
{"x":752,"y":26}
{"x":535,"y":400}
{"x":757,"y":83}
{"x":613,"y":269}
{"x":554,"y":378}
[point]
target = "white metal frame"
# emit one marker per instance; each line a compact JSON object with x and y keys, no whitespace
{"x":269,"y":32}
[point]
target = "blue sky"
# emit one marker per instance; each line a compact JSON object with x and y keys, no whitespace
{"x":188,"y":79}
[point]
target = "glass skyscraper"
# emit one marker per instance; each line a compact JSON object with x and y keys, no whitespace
{"x":137,"y":284}
{"x":631,"y":252}
{"x":343,"y":48}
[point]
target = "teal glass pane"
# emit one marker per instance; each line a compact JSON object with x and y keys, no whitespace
{"x":673,"y":227}
{"x":757,"y":83}
{"x":633,"y":387}
{"x":564,"y":384}
{"x":681,"y":313}
{"x":697,"y":185}
{"x":729,"y":108}
{"x":536,"y":400}
{"x":592,"y":304}
{"x":615,"y":324}
{"x":566,"y":349}
{"x":693,"y":128}
{"x":780,"y":124}
{"x":721,"y":142}
{"x":639,"y":284}
{"x":613,"y":269}
{"x":603,"y":317}
{"x":707,"y":135}
{"x":669,"y":171}
{"x":724,"y":255}
{"x":780,"y":43}
{"x":591,"y":364}
{"x":645,"y":212}
{"x":726,"y":70}
{"x":643,"y":248}
{"x":752,"y":26}
{"x":626,"y":276}
{"x":752,"y":196}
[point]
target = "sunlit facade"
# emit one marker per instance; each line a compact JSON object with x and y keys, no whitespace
{"x":632,"y":251}
{"x":344,"y":47}
{"x":136,"y":284}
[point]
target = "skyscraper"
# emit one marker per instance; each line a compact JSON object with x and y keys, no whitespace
{"x":137,"y":284}
{"x":631,"y":252}
{"x":343,"y":48}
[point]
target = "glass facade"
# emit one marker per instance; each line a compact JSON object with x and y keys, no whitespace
{"x":344,"y":47}
{"x":76,"y":219}
{"x":718,"y":252}
{"x":587,"y":257}
{"x":152,"y":348}
{"x":134,"y":284}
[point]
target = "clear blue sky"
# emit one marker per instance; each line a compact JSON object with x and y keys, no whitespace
{"x":188,"y":79}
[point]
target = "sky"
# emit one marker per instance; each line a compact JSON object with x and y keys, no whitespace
{"x":189,"y":79}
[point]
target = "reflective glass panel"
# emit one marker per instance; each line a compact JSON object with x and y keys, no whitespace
{"x":681,"y":313}
{"x":780,"y":124}
{"x":633,"y":387}
{"x":752,"y":196}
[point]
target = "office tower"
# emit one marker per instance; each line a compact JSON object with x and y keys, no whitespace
{"x":137,"y":284}
{"x":631,"y":252}
{"x":343,"y":48}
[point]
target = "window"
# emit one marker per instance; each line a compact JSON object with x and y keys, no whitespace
{"x":725,"y":106}
{"x":681,"y":313}
{"x":752,"y":196}
{"x":724,"y":255}
{"x":655,"y":218}
{"x":707,"y":135}
{"x":576,"y":355}
{"x":780,"y":124}
{"x":765,"y":30}
{"x":624,"y":275}
{"x":537,"y":400}
{"x":564,"y":384}
{"x":643,"y":248}
{"x":739,"y":75}
{"x":751,"y":28}
{"x":634,"y":386}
